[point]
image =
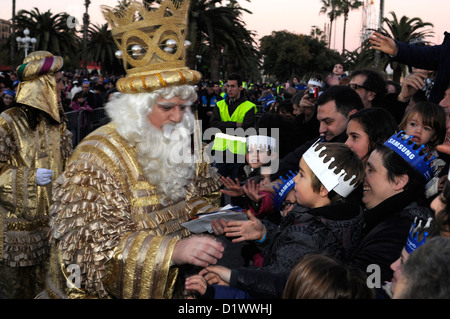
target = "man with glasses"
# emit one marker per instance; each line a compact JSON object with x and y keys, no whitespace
{"x":370,"y":85}
{"x":334,"y":107}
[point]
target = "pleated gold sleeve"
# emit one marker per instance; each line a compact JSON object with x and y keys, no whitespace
{"x":108,"y":221}
{"x":25,"y":204}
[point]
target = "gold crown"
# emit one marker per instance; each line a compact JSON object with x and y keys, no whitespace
{"x":151,"y":42}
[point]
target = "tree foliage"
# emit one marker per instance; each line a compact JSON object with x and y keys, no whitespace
{"x":51,"y":31}
{"x":286,"y":54}
{"x":101,"y":48}
{"x":219,"y":35}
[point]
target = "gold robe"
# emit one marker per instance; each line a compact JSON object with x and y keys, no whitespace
{"x":25,"y":205}
{"x":108,"y":224}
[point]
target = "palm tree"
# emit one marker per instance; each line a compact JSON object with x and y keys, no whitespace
{"x":405,"y":30}
{"x":332,"y":7}
{"x":318,"y":34}
{"x":52,"y":32}
{"x":101,"y":48}
{"x":346,"y":6}
{"x":223,"y":32}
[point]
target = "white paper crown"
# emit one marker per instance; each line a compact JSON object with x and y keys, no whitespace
{"x":316,"y":82}
{"x":261,"y":142}
{"x":325,"y":174}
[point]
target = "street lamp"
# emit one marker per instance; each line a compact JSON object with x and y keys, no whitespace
{"x":26,"y":42}
{"x":199,"y":60}
{"x":85,"y":34}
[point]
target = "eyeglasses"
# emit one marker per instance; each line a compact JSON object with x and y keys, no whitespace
{"x":355,"y":86}
{"x":286,"y":204}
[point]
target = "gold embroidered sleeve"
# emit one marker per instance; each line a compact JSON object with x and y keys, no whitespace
{"x":90,"y":216}
{"x":66,"y":145}
{"x":141,"y":267}
{"x":18,"y":187}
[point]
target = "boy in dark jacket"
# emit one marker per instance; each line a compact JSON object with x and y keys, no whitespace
{"x":324,"y":221}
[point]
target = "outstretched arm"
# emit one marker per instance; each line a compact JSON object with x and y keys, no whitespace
{"x":383,"y":44}
{"x":252,"y":229}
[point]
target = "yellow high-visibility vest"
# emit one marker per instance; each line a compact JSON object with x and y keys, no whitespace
{"x":238,"y":115}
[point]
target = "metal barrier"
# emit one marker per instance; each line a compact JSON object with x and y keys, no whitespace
{"x":81,"y":123}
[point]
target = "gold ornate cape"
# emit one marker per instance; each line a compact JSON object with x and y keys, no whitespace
{"x":24,"y":217}
{"x":108,"y":224}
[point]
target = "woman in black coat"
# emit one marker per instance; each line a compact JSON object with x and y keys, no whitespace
{"x":393,"y":195}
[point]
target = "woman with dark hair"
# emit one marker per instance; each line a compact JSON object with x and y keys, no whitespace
{"x":393,"y":195}
{"x":368,"y":127}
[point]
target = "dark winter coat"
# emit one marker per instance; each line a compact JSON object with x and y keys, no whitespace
{"x":334,"y":230}
{"x":385,"y":232}
{"x":433,"y":58}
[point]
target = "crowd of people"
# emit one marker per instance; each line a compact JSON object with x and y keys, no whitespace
{"x":342,"y":181}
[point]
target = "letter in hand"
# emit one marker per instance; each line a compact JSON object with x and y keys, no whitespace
{"x":218,"y":226}
{"x":43,"y":176}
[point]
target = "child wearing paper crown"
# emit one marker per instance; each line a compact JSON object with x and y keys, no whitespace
{"x":425,"y":123}
{"x":323,"y":222}
{"x":417,"y":237}
{"x":244,"y":190}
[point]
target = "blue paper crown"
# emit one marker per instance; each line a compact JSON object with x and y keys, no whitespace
{"x":412,"y":243}
{"x":266,"y":98}
{"x":283,"y":189}
{"x":411,"y":152}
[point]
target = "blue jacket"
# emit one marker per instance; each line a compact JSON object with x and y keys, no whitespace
{"x":436,"y":58}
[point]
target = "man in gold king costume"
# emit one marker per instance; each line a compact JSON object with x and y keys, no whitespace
{"x":34,"y":147}
{"x":118,"y":207}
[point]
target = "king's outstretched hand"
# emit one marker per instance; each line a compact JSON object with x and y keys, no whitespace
{"x":197,"y":250}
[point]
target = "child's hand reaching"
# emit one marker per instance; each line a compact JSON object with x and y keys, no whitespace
{"x":233,"y":189}
{"x":195,"y":285}
{"x":218,"y":275}
{"x":252,"y":191}
{"x":252,"y":229}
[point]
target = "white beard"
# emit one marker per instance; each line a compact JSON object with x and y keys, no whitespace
{"x":167,"y":160}
{"x":165,"y":156}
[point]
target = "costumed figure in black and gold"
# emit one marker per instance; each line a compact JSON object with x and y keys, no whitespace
{"x":34,"y":148}
{"x":118,"y":207}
